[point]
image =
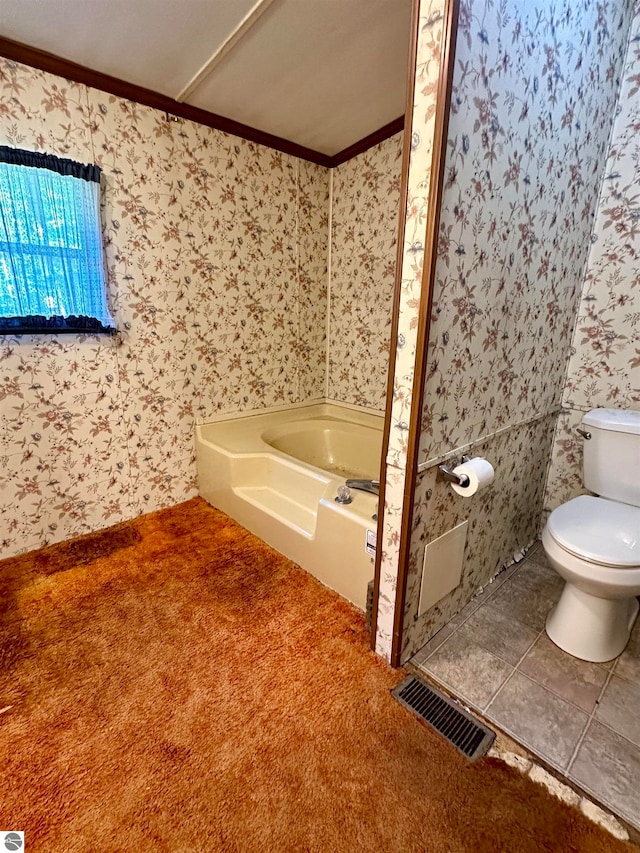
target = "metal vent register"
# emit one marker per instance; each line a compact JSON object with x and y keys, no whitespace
{"x":467,"y":734}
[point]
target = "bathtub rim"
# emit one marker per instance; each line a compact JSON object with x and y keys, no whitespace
{"x":330,"y":540}
{"x":364,"y":504}
{"x":255,"y":443}
{"x":291,"y":407}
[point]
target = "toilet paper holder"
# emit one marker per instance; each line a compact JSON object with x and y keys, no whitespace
{"x":451,"y":476}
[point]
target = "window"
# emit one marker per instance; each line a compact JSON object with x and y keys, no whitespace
{"x":51,"y":260}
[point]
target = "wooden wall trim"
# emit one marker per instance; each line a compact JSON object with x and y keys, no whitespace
{"x":53,"y":64}
{"x":115,"y":86}
{"x":395,"y":309}
{"x":443,"y":104}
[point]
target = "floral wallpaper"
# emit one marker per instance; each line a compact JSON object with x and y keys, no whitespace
{"x":364,"y":230}
{"x":534,"y":98}
{"x":216,"y":250}
{"x":533,"y":103}
{"x":216,"y":254}
{"x":604,"y":365}
{"x":429,"y":48}
{"x":503,"y":520}
{"x":313,"y":244}
{"x":564,"y":475}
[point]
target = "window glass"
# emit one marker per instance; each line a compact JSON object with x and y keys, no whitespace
{"x":51,"y":257}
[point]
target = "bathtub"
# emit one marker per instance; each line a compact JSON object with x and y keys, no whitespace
{"x":277,"y":474}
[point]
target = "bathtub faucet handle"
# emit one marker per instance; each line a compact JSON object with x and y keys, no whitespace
{"x":372,"y":486}
{"x":344,"y":495}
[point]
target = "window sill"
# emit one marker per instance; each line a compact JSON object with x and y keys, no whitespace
{"x":54,"y":326}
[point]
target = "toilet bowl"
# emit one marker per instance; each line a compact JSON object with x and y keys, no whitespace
{"x":593,"y":542}
{"x":594,"y":545}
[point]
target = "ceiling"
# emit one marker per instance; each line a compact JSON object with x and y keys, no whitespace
{"x":320,"y":73}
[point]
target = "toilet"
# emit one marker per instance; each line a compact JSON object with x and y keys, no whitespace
{"x":594,"y":542}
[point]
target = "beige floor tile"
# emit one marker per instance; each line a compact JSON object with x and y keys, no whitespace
{"x":619,"y":708}
{"x":544,"y":722}
{"x":609,"y":766}
{"x":576,"y":680}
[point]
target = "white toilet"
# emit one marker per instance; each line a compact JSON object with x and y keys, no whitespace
{"x":594,"y":542}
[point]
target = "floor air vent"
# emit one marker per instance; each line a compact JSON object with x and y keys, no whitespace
{"x":467,"y":734}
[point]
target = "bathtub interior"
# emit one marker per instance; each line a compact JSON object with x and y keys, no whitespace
{"x":337,"y":446}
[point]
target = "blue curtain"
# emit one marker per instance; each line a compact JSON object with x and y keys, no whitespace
{"x":51,"y":256}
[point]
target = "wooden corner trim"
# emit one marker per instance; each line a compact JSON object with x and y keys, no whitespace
{"x":443,"y":105}
{"x":395,"y":309}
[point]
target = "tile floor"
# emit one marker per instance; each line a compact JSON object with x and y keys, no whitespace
{"x":582,"y":718}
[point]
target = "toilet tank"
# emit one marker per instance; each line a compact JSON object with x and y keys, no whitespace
{"x":611,"y":464}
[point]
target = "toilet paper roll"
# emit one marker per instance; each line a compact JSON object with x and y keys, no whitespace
{"x":480,"y":473}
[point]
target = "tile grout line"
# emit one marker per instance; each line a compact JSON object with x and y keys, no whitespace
{"x":515,"y":669}
{"x":615,"y":809}
{"x":456,"y":694}
{"x":534,"y":751}
{"x":616,"y":662}
{"x":565,"y":769}
{"x":615,"y":732}
{"x":466,"y":618}
{"x":488,"y":599}
{"x":485,"y":710}
{"x":504,"y":728}
{"x":435,"y":648}
{"x":559,"y":695}
{"x":604,"y":724}
{"x":591,"y":716}
{"x":490,"y":595}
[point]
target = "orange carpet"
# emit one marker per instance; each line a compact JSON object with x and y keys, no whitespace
{"x":172,"y":684}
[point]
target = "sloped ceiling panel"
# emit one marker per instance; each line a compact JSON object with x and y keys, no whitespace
{"x":321,"y":73}
{"x":159,"y":44}
{"x":324,"y":74}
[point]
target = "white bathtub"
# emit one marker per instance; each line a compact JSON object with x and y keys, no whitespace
{"x":278,"y":474}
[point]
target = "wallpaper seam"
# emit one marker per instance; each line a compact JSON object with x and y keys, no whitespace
{"x":594,"y":220}
{"x":328,"y":318}
{"x":298,"y":280}
{"x":115,"y":341}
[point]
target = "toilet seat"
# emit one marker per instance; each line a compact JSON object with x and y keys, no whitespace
{"x":598,"y":530}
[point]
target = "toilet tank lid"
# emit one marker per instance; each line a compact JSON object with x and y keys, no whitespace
{"x":617,"y":420}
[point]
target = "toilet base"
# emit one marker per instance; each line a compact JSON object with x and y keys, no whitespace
{"x":591,"y":628}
